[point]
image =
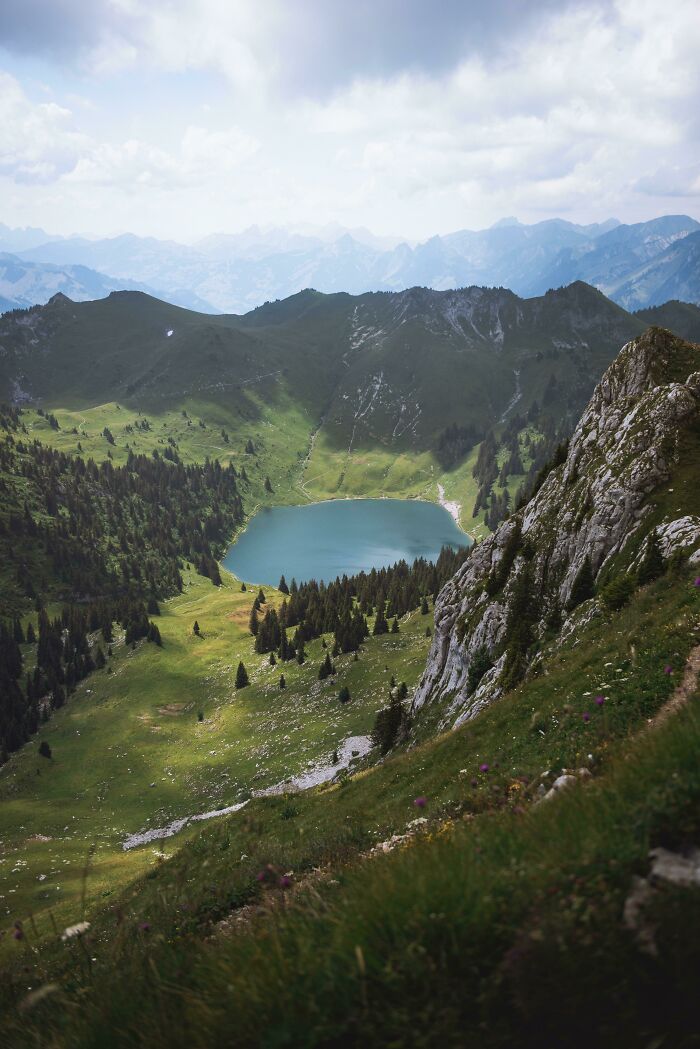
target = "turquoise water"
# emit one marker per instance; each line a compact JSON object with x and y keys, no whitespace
{"x":344,"y":536}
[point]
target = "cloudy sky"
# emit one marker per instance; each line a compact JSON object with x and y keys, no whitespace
{"x":177,"y":118}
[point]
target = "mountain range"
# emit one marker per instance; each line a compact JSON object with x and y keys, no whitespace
{"x":637,"y":266}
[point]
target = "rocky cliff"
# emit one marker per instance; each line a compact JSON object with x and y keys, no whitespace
{"x":625,"y":483}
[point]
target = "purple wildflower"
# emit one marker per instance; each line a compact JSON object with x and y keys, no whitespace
{"x":261,"y":876}
{"x":586,"y":716}
{"x":420,"y":802}
{"x":144,"y":926}
{"x":668,"y":670}
{"x":484,"y":767}
{"x":285,"y":881}
{"x":599,"y":700}
{"x":18,"y":932}
{"x":697,"y":581}
{"x":475,"y":783}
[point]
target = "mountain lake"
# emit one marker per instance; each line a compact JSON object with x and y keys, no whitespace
{"x":340,"y":537}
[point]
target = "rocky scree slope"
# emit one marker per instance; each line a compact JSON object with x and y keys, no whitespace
{"x":589,"y":523}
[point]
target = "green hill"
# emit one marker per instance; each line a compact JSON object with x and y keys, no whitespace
{"x":341,"y":395}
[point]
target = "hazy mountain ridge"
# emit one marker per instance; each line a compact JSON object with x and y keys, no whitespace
{"x":24,"y":283}
{"x":636,"y":265}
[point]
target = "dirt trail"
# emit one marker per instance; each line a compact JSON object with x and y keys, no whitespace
{"x":683,"y":690}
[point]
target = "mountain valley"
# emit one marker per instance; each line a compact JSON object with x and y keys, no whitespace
{"x":217,"y":795}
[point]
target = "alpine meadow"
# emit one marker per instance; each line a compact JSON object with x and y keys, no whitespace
{"x":349,"y":526}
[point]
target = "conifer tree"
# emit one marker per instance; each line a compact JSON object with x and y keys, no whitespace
{"x":283,"y":588}
{"x":387,"y":724}
{"x":653,"y":564}
{"x":583,"y":586}
{"x":395,"y":626}
{"x":424,"y":607}
{"x":380,"y":624}
{"x":242,"y":678}
{"x":344,"y":694}
{"x":283,"y":683}
{"x":326,"y":668}
{"x":195,"y":628}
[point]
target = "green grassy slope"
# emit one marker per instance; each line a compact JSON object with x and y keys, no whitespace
{"x":463,"y":931}
{"x":130,"y":754}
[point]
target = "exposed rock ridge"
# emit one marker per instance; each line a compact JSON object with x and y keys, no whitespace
{"x":594,"y":506}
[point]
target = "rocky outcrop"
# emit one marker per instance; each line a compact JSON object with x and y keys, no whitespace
{"x":588,"y":521}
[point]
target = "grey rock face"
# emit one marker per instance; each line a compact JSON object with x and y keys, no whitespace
{"x":624,"y":447}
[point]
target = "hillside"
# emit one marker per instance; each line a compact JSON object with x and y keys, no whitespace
{"x":592,"y":525}
{"x":433,"y":895}
{"x":341,"y":395}
{"x":683,"y":318}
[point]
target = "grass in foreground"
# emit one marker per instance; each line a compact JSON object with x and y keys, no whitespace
{"x":502,"y":924}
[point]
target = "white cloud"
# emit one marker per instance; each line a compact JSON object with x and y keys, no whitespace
{"x":37,"y":143}
{"x":200,"y":158}
{"x":588,"y":110}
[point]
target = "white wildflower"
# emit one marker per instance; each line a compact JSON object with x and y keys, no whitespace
{"x":75,"y":930}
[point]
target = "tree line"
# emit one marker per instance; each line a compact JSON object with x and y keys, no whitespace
{"x":110,"y":542}
{"x":342,"y":608}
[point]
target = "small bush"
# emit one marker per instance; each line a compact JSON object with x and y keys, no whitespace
{"x":617,"y":593}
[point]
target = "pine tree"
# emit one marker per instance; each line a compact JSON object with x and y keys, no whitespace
{"x":283,"y":683}
{"x":283,"y":588}
{"x":273,"y":659}
{"x":253,"y":622}
{"x":195,"y":628}
{"x":268,"y":485}
{"x":44,"y":749}
{"x":344,"y":694}
{"x":154,"y":635}
{"x":242,"y":678}
{"x":380,"y":624}
{"x":31,"y":634}
{"x":326,"y":668}
{"x":583,"y":586}
{"x":653,"y":564}
{"x":424,"y":607}
{"x":395,"y":626}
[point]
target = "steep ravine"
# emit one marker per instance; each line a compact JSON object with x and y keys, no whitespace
{"x":596,"y":510}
